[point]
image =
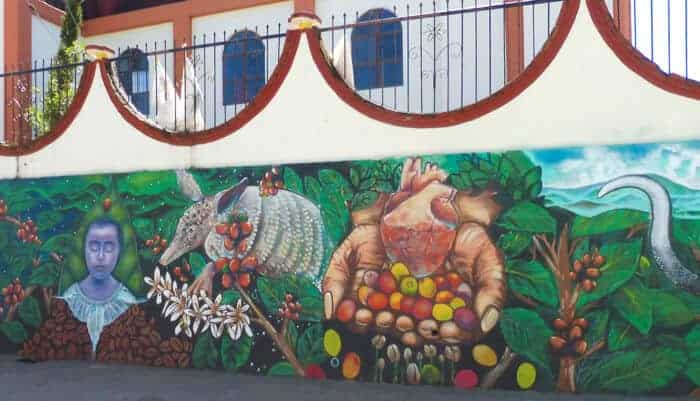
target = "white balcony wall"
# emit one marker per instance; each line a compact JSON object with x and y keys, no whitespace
{"x":448,"y":61}
{"x":46,"y":38}
{"x":267,"y":21}
{"x":146,"y":39}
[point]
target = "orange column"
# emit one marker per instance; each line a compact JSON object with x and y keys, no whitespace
{"x":515,"y":41}
{"x":622,"y":17}
{"x":18,"y":56}
{"x":182,"y":36}
{"x":304,"y":7}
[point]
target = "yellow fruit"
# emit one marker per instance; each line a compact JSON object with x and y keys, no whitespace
{"x":457,"y":303}
{"x":427,"y":288}
{"x":442,"y":312}
{"x":526,"y":375}
{"x":332,"y":343}
{"x":363,"y":293}
{"x":399,"y":270}
{"x":484,"y":355}
{"x":395,"y":301}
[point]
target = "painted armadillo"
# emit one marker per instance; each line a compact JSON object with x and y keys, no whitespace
{"x":288,"y":232}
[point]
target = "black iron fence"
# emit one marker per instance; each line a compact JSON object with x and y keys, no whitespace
{"x":665,"y":31}
{"x":440,"y":56}
{"x":35,"y":98}
{"x":199,"y":86}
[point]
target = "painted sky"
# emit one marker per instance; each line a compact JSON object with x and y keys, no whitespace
{"x":577,"y":167}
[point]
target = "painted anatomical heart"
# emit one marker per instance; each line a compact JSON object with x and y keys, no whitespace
{"x":419,"y":263}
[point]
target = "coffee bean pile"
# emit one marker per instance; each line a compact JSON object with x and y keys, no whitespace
{"x":587,"y":270}
{"x":132,"y":338}
{"x":569,"y":338}
{"x":271,"y":183}
{"x":27,"y":232}
{"x":61,"y":336}
{"x":13,"y":293}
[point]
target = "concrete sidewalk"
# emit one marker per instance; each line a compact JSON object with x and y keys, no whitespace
{"x":82,"y":381}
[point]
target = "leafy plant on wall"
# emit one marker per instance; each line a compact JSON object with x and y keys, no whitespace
{"x":590,"y":309}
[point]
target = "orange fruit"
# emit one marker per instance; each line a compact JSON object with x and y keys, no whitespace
{"x":377,"y":301}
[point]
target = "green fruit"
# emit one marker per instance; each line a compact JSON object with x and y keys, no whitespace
{"x":409,"y":286}
{"x":430,"y":374}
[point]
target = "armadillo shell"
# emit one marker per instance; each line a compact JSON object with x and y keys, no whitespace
{"x":288,"y":233}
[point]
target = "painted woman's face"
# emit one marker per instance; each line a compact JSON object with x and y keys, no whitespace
{"x":102,"y":249}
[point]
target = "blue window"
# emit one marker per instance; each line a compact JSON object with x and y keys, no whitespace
{"x":377,"y":51}
{"x":243,"y":67}
{"x":132,"y":67}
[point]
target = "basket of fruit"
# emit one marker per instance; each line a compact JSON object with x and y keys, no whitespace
{"x":419,"y":264}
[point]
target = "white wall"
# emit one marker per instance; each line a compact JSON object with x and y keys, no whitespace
{"x":46,"y":38}
{"x":467,"y":60}
{"x":267,"y":21}
{"x":585,"y":97}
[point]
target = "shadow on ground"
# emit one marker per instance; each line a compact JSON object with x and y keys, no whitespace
{"x":82,"y":381}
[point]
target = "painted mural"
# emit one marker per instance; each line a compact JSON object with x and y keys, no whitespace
{"x":571,"y":270}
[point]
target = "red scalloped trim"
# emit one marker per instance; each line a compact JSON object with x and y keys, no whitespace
{"x":228,"y":128}
{"x":634,"y":59}
{"x":509,"y":92}
{"x":63,"y":124}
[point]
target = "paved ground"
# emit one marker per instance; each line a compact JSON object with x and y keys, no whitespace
{"x":81,"y":381}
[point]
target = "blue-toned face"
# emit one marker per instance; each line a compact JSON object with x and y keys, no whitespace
{"x":102,"y":247}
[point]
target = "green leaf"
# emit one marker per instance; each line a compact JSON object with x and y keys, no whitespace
{"x":621,"y":261}
{"x":634,"y":303}
{"x":310,"y":346}
{"x":292,"y":335}
{"x":313,"y":189}
{"x":143,"y":228}
{"x":58,"y":243}
{"x":14,"y":331}
{"x":197,"y":263}
{"x":614,"y":220}
{"x":363,"y":200}
{"x":282,"y":369}
{"x":527,"y":334}
{"x":528,"y":217}
{"x":48,"y":219}
{"x":514,"y":243}
{"x":46,"y":275}
{"x":205,"y":354}
{"x":533,"y":280}
{"x":670,"y":311}
{"x":271,"y":292}
{"x":634,"y":371}
{"x":355,"y":177}
{"x":146,"y":183}
{"x":230,"y":297}
{"x":622,"y":334}
{"x":692,"y":343}
{"x":597,"y":326}
{"x":235,"y":354}
{"x":30,"y":312}
{"x":292,"y":181}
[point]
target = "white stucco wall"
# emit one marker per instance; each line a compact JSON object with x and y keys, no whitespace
{"x":585,"y":97}
{"x":46,"y":38}
{"x":267,"y":21}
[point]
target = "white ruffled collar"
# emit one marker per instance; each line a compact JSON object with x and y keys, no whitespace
{"x":97,"y":314}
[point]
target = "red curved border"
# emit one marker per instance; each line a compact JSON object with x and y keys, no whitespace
{"x":471,"y":112}
{"x":251,"y":110}
{"x":634,"y":59}
{"x":63,"y":124}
